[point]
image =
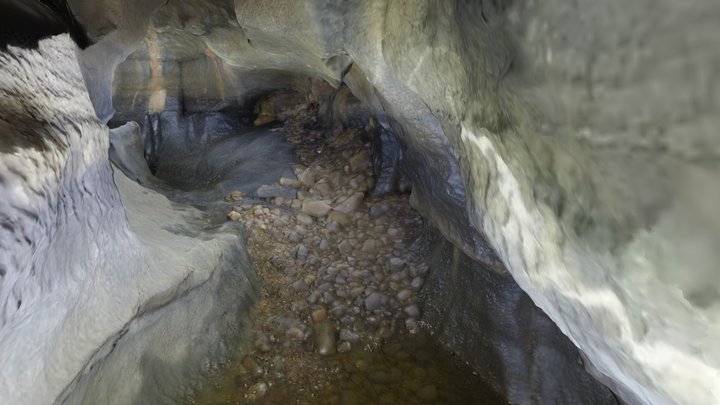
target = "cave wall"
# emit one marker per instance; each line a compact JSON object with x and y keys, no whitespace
{"x":109,"y":292}
{"x":484,"y":317}
{"x":577,"y":140}
{"x":573,"y":142}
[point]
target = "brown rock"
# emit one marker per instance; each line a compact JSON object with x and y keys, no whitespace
{"x":319,"y":315}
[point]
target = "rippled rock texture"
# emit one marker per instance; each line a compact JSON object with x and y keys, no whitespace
{"x":106,"y":287}
{"x":573,"y":144}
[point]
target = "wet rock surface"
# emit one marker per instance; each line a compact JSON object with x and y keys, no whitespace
{"x":338,"y":321}
{"x":486,"y":319}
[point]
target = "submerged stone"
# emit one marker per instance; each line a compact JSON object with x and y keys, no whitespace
{"x":271,"y":191}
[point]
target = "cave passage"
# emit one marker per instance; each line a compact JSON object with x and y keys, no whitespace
{"x":370,"y":201}
{"x":338,"y":320}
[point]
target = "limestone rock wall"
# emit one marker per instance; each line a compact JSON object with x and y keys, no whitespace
{"x":575,"y":140}
{"x":101,"y":289}
{"x":573,"y":144}
{"x":487,"y":320}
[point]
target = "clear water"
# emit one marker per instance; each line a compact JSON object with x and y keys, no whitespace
{"x":404,"y":370}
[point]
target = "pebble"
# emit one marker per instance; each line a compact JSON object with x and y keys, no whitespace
{"x":323,"y":244}
{"x":355,"y":182}
{"x":301,"y":252}
{"x":324,"y":337}
{"x":340,"y":217}
{"x":399,"y":276}
{"x":304,"y":218}
{"x":333,"y":227}
{"x":315,"y":208}
{"x":295,"y":333}
{"x":234,"y":216}
{"x":417,"y":283}
{"x":252,"y":367}
{"x":300,"y":285}
{"x":412,"y":326}
{"x":329,"y":298}
{"x":348,"y":335}
{"x":384,"y":332}
{"x":412,"y":311}
{"x":262,"y":343}
{"x":373,"y":301}
{"x":396,"y":263}
{"x":307,"y":177}
{"x":347,"y":321}
{"x":324,"y":189}
{"x":345,"y":247}
{"x":288,"y":182}
{"x":375,"y":212}
{"x":360,"y":161}
{"x":369,"y":245}
{"x":338,"y":311}
{"x":314,"y":297}
{"x":257,"y":390}
{"x":404,"y":295}
{"x":237,"y":195}
{"x":344,"y":347}
{"x":278,"y":367}
{"x":350,"y":204}
{"x":294,"y":237}
{"x":319,"y":315}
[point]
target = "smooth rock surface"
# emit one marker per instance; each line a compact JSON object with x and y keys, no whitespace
{"x":315,"y":208}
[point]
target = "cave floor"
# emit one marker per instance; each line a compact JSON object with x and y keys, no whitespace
{"x":338,"y":320}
